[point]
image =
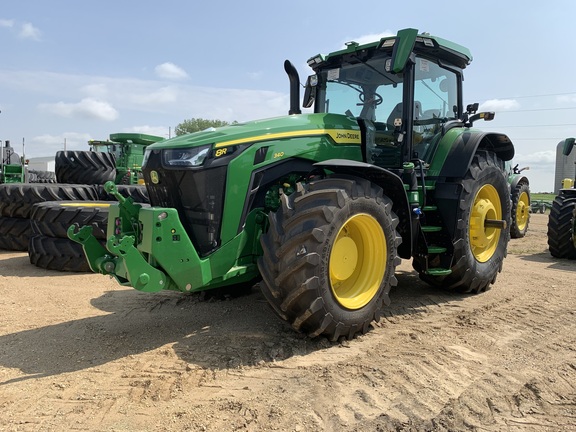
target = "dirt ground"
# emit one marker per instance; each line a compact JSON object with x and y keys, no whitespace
{"x":79,"y":352}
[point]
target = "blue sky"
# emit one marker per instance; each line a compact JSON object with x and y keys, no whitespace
{"x":73,"y":70}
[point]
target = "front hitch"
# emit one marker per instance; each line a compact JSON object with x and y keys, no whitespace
{"x":99,"y":260}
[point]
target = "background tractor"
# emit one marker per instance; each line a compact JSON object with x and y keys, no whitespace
{"x":322,"y":205}
{"x":521,"y":202}
{"x":562,"y":218}
{"x":118,"y":159}
{"x":13,"y":168}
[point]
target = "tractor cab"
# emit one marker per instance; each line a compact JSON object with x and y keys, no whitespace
{"x":402,"y":90}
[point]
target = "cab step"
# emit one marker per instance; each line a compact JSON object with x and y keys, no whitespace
{"x":431,"y":228}
{"x":438,"y":271}
{"x":436,"y":249}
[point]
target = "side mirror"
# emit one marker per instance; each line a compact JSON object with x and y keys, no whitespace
{"x":310,"y":91}
{"x":568,"y":144}
{"x":486,"y":116}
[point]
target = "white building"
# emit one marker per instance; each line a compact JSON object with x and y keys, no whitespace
{"x":46,"y":163}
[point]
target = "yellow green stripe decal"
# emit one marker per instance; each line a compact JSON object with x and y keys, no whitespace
{"x":85,"y":204}
{"x":339,"y":136}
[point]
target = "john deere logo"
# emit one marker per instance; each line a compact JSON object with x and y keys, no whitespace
{"x":154,"y":177}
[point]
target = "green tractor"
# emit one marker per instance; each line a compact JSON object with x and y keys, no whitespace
{"x":521,"y":202}
{"x":562,"y":218}
{"x":323,"y":205}
{"x":13,"y":168}
{"x":128,"y":150}
{"x":118,"y":159}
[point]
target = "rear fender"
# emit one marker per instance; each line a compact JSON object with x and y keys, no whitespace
{"x":464,"y":148}
{"x":517,"y":179}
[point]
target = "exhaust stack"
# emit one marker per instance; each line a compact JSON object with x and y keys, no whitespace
{"x":294,"y":88}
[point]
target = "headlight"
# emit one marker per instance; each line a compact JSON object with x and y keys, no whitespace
{"x":187,"y":157}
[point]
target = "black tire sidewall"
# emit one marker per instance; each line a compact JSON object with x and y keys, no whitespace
{"x":560,"y":235}
{"x":487,"y":271}
{"x":469,"y":274}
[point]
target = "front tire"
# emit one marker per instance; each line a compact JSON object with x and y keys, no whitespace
{"x":329,"y":257}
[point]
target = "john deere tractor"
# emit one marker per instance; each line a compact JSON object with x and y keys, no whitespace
{"x":13,"y":168}
{"x":117,"y":159}
{"x":521,"y":202}
{"x":562,"y":218}
{"x":323,"y":205}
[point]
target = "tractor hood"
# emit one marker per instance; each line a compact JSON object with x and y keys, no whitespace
{"x":268,"y":129}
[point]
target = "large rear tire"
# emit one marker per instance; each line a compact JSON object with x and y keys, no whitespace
{"x":85,"y":167}
{"x":38,"y":176}
{"x":60,"y":254}
{"x":53,"y":218}
{"x":479,"y":251}
{"x":14,"y":233}
{"x":560,"y":226}
{"x":329,"y":257}
{"x":520,"y":210}
{"x":17,"y":200}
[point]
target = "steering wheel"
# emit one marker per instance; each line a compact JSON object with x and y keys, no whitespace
{"x":376,"y":99}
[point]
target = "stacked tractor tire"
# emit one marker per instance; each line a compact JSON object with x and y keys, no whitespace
{"x":35,"y":217}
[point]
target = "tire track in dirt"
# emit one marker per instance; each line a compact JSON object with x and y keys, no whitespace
{"x":502,"y":360}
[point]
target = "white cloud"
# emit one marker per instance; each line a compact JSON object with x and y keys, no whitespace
{"x":566,"y":98}
{"x":6,"y":23}
{"x":160,"y":131}
{"x":87,"y":108}
{"x":28,"y":31}
{"x":97,"y":91}
{"x":163,"y":95}
{"x":499,"y":105}
{"x":170,"y":71}
{"x":540,"y":158}
{"x":48,"y":145}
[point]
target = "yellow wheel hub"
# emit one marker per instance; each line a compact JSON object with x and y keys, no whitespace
{"x":358,"y":261}
{"x":484,"y":240}
{"x":522,"y":211}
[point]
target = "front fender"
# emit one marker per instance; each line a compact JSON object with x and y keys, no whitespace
{"x":393,"y":188}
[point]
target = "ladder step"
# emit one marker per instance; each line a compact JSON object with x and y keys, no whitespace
{"x":428,"y":187}
{"x":436,"y":249}
{"x":430,"y":228}
{"x":438,"y":271}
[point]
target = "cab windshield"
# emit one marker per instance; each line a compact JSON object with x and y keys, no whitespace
{"x":367,"y":91}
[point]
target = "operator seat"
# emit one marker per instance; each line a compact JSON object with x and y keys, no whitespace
{"x":397,"y":113}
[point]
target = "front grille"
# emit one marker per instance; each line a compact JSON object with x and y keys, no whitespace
{"x":196,"y":193}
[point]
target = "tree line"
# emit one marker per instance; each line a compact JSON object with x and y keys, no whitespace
{"x":199,"y":124}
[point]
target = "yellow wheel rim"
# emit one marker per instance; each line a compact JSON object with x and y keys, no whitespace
{"x":358,"y":261}
{"x":484,"y":240}
{"x":522,"y":211}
